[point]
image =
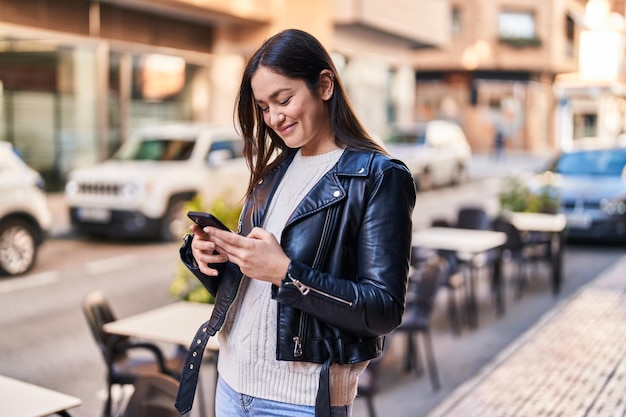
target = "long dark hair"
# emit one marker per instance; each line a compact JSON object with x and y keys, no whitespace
{"x":298,"y":55}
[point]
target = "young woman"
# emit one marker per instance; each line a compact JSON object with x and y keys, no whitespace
{"x":316,"y":274}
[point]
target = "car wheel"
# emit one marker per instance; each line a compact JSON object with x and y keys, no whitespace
{"x":424,"y":181}
{"x":173,"y":222}
{"x":460,"y":175}
{"x":18,"y":247}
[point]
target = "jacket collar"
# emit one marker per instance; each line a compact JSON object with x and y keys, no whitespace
{"x":328,"y":190}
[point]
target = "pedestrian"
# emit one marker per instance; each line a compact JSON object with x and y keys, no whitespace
{"x":316,"y":274}
{"x":498,"y":142}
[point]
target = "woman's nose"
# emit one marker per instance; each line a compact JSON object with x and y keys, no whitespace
{"x":276,"y":117}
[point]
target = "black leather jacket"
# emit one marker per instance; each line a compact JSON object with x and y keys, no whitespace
{"x":349,"y":242}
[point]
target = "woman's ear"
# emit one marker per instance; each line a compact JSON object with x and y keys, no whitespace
{"x":327,"y":84}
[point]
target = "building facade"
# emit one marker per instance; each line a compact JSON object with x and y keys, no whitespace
{"x":78,"y":76}
{"x":592,"y":101}
{"x":499,"y":69}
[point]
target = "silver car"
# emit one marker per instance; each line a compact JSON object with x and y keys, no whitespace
{"x":24,"y":215}
{"x":591,"y":187}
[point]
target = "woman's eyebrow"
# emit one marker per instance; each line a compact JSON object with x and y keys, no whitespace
{"x":274,"y":94}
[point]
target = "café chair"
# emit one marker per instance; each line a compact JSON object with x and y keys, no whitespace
{"x":472,"y":217}
{"x":455,"y":281}
{"x":424,"y":284}
{"x":154,"y":396}
{"x":522,"y":251}
{"x":123,"y":368}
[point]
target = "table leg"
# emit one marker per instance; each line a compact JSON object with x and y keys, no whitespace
{"x":497,"y":282}
{"x":557,"y":245}
{"x":472,"y":307}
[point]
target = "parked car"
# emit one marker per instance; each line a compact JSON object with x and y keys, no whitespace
{"x":591,"y":187}
{"x":25,"y":218}
{"x":140,"y":191}
{"x":436,"y":152}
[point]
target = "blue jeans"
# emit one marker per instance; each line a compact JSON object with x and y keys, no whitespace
{"x":229,"y":403}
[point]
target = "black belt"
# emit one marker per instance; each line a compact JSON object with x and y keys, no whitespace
{"x":191,"y":370}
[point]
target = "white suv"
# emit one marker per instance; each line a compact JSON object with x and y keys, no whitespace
{"x":24,"y":215}
{"x":436,"y":152}
{"x":141,"y":190}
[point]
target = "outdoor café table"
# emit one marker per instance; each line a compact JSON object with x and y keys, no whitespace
{"x":554,"y":224}
{"x":469,"y":241}
{"x":22,"y":399}
{"x":175,"y":323}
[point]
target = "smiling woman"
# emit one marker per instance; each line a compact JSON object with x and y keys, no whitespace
{"x":313,"y":279}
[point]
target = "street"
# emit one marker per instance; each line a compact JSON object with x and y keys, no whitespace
{"x":46,"y":341}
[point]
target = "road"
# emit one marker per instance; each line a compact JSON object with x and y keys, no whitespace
{"x":45,"y":339}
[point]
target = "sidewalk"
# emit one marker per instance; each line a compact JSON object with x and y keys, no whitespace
{"x":570,"y":348}
{"x":569,"y":364}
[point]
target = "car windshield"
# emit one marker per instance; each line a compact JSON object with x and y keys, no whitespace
{"x":415,"y":136}
{"x":609,"y":162}
{"x":155,"y":149}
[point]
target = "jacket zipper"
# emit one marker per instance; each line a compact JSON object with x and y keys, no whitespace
{"x":305,"y":289}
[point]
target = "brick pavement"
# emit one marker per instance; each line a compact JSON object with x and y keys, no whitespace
{"x":571,"y":363}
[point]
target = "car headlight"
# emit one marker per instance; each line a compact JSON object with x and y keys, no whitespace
{"x":130,"y":190}
{"x":613,"y":207}
{"x":71,"y":188}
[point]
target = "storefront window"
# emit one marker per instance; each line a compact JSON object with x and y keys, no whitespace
{"x":61,"y":115}
{"x":48,"y":103}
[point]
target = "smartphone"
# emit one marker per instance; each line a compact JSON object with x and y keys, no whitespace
{"x":203,"y":219}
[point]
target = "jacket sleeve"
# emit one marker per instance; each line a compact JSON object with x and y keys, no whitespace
{"x":211,"y":283}
{"x":372,"y":303}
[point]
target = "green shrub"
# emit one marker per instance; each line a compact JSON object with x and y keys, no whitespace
{"x":515,"y":196}
{"x":185,"y":286}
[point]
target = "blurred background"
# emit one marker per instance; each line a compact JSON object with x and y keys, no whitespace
{"x":78,"y":76}
{"x":469,"y":93}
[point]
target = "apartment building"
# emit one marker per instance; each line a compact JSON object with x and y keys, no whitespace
{"x":499,"y":69}
{"x":78,"y":76}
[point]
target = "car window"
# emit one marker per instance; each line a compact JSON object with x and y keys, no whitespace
{"x":10,"y":159}
{"x":156,"y":149}
{"x":598,"y":163}
{"x":234,"y":147}
{"x":415,"y":136}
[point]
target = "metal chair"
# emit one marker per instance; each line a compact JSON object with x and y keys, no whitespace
{"x":454,"y":282}
{"x":423,"y":287}
{"x":122,"y":368}
{"x":472,"y":217}
{"x":522,"y":251}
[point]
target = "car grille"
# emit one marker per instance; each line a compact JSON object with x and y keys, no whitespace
{"x":98,"y":189}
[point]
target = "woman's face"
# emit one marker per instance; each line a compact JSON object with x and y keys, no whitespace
{"x":297,"y":115}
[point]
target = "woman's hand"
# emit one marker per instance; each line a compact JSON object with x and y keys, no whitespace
{"x":203,"y":251}
{"x":258,"y":255}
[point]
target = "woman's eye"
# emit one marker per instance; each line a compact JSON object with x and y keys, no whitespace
{"x":264,"y":109}
{"x":287,"y":100}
